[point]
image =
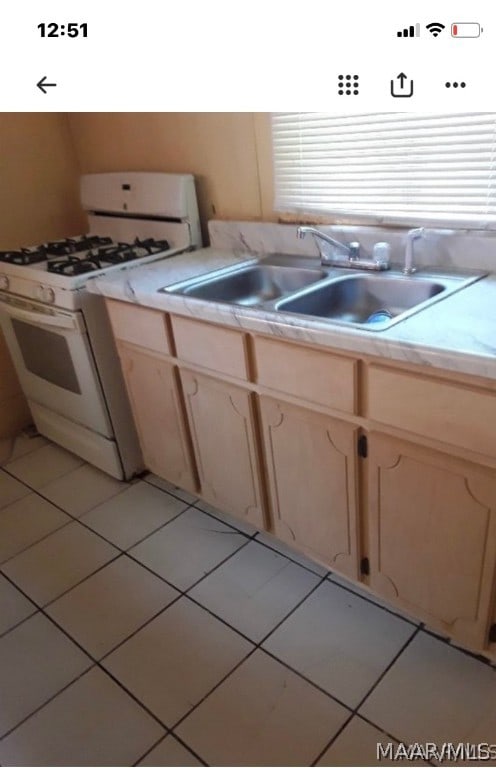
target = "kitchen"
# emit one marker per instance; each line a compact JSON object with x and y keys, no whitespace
{"x":367,"y":671}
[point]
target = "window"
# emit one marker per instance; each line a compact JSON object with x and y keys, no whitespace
{"x":398,"y":167}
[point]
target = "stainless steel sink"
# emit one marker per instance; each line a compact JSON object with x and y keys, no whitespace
{"x":297,"y":285}
{"x":253,"y":285}
{"x":369,"y":300}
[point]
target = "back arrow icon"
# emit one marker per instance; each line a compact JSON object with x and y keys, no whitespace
{"x":42,"y":84}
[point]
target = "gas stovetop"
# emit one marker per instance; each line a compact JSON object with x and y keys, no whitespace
{"x":80,"y":255}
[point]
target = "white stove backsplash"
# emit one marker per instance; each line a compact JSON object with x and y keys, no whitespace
{"x":443,"y":248}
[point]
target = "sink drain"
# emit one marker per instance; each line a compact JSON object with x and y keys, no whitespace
{"x":379,"y":316}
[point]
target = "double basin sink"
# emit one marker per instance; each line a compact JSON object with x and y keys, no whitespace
{"x":370,"y":300}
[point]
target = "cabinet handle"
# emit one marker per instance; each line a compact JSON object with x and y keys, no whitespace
{"x":362,"y":446}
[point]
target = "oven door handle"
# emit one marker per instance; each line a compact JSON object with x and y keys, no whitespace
{"x":65,"y":322}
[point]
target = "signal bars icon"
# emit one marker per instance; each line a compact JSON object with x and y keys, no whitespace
{"x":411,"y":31}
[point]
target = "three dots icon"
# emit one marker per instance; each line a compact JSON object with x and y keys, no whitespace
{"x":455,"y":84}
{"x":348,"y":85}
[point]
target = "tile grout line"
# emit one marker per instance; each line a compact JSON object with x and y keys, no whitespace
{"x":373,"y":687}
{"x":21,"y":621}
{"x":307,"y":679}
{"x":77,"y":519}
{"x":421,"y":625}
{"x":256,"y":646}
{"x":64,"y":474}
{"x":447,"y":641}
{"x":334,"y":738}
{"x":178,"y":738}
{"x":74,"y":519}
{"x":150,"y":749}
{"x":181,"y":593}
{"x":386,"y":670}
{"x":214,"y":688}
{"x":47,"y":701}
{"x":195,"y":503}
{"x":95,"y":663}
{"x":278,"y":551}
{"x":10,"y":460}
{"x":230,"y":525}
{"x":33,"y":543}
{"x":382,"y":730}
{"x":371,"y":600}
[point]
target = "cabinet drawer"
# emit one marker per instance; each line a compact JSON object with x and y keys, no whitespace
{"x":145,"y":327}
{"x":220,"y":349}
{"x":452,"y":413}
{"x":318,"y":377}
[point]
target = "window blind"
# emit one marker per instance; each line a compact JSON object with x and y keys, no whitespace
{"x":387,"y":166}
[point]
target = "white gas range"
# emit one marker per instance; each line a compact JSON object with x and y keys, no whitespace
{"x":59,"y":334}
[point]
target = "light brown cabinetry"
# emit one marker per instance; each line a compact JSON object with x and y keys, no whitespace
{"x":155,"y":400}
{"x":446,"y":411}
{"x":222,"y":350}
{"x":312,"y":478}
{"x":271,"y":428}
{"x":143,"y":327}
{"x":432,"y":528}
{"x":323,"y":379}
{"x":221,"y":420}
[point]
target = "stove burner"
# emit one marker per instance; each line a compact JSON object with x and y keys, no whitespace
{"x":115,"y":253}
{"x":151,"y":245}
{"x":73,"y":265}
{"x":25,"y":256}
{"x":75,"y":244}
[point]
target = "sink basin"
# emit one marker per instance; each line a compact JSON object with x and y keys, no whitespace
{"x":280,"y":283}
{"x":371,"y":301}
{"x":253,"y":285}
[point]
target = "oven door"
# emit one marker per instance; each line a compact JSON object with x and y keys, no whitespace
{"x":54,"y":362}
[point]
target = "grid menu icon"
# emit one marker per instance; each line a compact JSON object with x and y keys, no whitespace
{"x":348,"y":85}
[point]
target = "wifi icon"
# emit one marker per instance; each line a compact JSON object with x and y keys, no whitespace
{"x":435,"y":28}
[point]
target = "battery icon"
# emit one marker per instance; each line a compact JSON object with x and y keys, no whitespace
{"x":466,"y":29}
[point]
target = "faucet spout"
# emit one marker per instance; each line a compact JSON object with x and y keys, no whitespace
{"x":352,"y":251}
{"x":412,"y":235}
{"x":327,"y":246}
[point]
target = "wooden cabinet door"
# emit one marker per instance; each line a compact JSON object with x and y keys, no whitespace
{"x":154,"y":394}
{"x":432,"y":524}
{"x":222,"y":427}
{"x":312,"y":476}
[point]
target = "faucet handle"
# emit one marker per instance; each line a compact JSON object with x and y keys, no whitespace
{"x":354,"y":250}
{"x":381,"y":253}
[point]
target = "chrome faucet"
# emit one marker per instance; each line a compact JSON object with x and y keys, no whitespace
{"x":328,"y":245}
{"x":412,"y":235}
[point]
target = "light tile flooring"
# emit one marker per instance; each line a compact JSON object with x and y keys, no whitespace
{"x":138,"y":626}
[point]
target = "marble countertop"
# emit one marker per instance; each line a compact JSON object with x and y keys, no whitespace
{"x":457,"y":333}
